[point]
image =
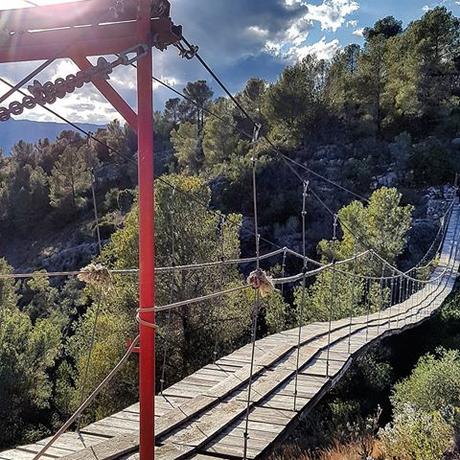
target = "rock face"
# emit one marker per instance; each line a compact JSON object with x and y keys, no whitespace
{"x":71,"y":258}
{"x":437,"y":200}
{"x":389,"y":179}
{"x":456,"y":143}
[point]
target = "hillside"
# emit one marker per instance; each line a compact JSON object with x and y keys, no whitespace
{"x":12,"y":131}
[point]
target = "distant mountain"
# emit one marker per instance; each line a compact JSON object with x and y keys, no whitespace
{"x":12,"y":131}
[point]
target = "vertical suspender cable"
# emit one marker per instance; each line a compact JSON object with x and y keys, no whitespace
{"x":98,"y":300}
{"x":171,"y":295}
{"x":222,"y":276}
{"x":353,"y":297}
{"x":255,"y":310}
{"x":368,"y":301}
{"x":382,"y":296}
{"x":399,"y":298}
{"x":96,"y":214}
{"x":304,"y":282}
{"x":283,"y":269}
{"x":333,"y":294}
{"x":390,"y":305}
{"x":405,"y":285}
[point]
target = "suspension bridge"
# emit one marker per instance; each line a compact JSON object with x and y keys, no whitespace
{"x":243,"y":405}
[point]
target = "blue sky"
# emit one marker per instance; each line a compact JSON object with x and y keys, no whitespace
{"x":239,"y":39}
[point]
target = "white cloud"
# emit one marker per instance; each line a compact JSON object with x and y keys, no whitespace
{"x":447,"y":3}
{"x":298,"y":31}
{"x":292,"y":43}
{"x":359,"y":32}
{"x":257,"y":31}
{"x":331,"y":14}
{"x":322,"y":49}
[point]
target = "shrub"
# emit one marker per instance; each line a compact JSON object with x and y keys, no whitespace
{"x":417,"y":435}
{"x":433,"y":386}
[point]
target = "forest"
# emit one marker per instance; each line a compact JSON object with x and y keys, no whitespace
{"x":382,"y":120}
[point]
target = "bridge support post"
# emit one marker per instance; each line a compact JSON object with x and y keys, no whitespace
{"x":146,"y":240}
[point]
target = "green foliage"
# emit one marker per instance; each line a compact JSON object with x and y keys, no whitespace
{"x":426,"y":407}
{"x":294,"y":104}
{"x":330,"y":297}
{"x":113,"y":328}
{"x":382,"y":225}
{"x":275,"y":311}
{"x":387,"y":27}
{"x":372,"y":79}
{"x":27,"y":353}
{"x":200,"y":94}
{"x":431,"y":163}
{"x":70,"y":179}
{"x":189,"y":334}
{"x":220,"y":140}
{"x":417,"y":435}
{"x":8,"y":295}
{"x":40,"y":297}
{"x":434,"y":385}
{"x":401,"y":150}
{"x":186,"y":146}
{"x":343,"y":89}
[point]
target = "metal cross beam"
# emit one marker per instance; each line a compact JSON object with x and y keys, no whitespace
{"x":89,"y":28}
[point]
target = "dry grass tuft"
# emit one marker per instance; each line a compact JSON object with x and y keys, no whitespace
{"x":352,"y":451}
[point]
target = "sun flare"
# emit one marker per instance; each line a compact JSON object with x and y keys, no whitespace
{"x":11,"y":4}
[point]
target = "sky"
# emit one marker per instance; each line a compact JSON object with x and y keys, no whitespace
{"x":240,"y":39}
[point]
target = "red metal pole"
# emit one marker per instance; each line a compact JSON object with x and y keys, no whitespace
{"x":146,"y":239}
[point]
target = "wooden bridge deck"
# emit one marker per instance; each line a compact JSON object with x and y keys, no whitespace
{"x":203,"y":416}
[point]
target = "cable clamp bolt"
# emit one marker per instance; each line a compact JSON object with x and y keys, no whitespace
{"x":139,"y":50}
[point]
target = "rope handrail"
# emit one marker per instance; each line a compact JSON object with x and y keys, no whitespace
{"x":276,"y":281}
{"x":88,"y":400}
{"x":393,"y":268}
{"x":167,"y":269}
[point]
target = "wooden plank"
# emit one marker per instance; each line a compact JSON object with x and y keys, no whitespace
{"x":18,"y":454}
{"x":53,"y":451}
{"x":74,"y":441}
{"x":108,"y":450}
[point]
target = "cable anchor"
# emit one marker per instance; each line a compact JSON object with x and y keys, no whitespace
{"x":187,"y":51}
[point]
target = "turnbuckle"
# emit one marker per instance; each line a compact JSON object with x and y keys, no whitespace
{"x":139,"y":50}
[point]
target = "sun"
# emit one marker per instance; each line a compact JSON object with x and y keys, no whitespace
{"x":11,"y":4}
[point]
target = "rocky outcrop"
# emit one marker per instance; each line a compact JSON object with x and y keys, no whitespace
{"x":70,"y":258}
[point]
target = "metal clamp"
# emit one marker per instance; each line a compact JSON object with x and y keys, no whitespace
{"x":187,"y":51}
{"x":139,"y":50}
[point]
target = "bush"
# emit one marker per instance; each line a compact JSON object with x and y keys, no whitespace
{"x":426,"y":407}
{"x":432,"y":164}
{"x":433,"y":386}
{"x":417,"y":435}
